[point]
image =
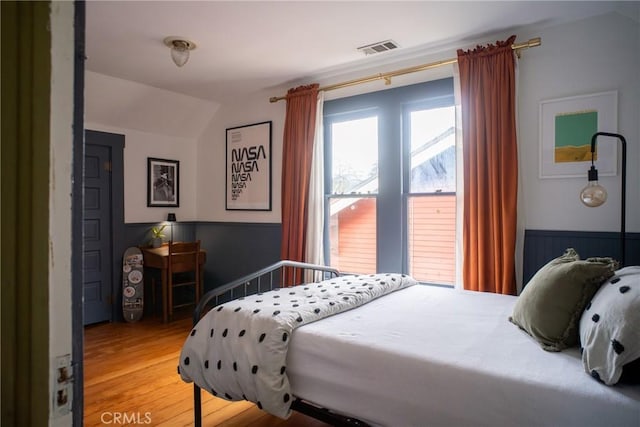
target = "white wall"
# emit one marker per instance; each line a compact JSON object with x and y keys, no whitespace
{"x":212,"y":160}
{"x":589,"y":56}
{"x":156,"y":123}
{"x":130,"y":105}
{"x":139,"y":146}
{"x":583,"y":57}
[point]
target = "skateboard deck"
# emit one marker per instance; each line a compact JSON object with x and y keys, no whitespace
{"x":132,"y":285}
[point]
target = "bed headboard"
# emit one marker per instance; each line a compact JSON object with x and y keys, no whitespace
{"x":282,"y":273}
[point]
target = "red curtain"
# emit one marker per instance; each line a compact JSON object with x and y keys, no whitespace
{"x":487,"y":83}
{"x":297,"y":154}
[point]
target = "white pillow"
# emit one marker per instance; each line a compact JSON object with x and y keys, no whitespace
{"x":610,"y":326}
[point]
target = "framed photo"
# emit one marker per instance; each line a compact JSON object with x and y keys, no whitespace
{"x":566,"y":128}
{"x":163,"y":179}
{"x":248,"y":174}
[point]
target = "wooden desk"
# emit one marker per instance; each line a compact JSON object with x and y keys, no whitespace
{"x":159,"y":258}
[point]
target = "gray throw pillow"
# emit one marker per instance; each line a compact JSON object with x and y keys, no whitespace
{"x":551,"y":304}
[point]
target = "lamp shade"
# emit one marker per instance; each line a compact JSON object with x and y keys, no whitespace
{"x":171,"y":217}
{"x":180,"y":55}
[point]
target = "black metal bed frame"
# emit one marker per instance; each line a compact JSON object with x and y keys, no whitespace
{"x":282,"y":273}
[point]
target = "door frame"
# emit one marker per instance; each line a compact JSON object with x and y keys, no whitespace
{"x":77,"y":215}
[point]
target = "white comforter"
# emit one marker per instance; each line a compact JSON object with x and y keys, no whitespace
{"x":238,"y":351}
{"x":438,"y":357}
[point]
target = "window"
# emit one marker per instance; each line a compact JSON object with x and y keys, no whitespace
{"x":354,"y":171}
{"x":390,"y":182}
{"x":431,"y":197}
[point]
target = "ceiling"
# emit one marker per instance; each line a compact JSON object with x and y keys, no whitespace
{"x":244,"y":47}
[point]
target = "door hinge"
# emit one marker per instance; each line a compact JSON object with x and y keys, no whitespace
{"x":107,"y":165}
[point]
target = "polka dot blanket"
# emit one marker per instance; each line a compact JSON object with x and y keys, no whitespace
{"x":238,"y":350}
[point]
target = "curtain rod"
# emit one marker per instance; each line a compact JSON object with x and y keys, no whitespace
{"x":387,"y":76}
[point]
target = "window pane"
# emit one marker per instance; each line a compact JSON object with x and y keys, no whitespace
{"x":433,"y":154}
{"x":352,"y":234}
{"x":354,"y":156}
{"x":432,"y":230}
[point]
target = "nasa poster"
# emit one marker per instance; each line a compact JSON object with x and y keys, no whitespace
{"x":248,"y":176}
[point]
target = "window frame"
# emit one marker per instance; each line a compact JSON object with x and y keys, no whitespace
{"x":390,"y":105}
{"x":407,"y":194}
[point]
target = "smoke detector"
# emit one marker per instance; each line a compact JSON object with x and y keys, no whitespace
{"x":378,"y":47}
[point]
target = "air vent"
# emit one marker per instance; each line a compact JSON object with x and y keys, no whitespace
{"x":378,"y":47}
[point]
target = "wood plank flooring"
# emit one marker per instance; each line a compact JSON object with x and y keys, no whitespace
{"x":131,"y":378}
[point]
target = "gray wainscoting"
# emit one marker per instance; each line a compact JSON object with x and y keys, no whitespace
{"x":233,"y":249}
{"x":541,"y":246}
{"x":236,"y":249}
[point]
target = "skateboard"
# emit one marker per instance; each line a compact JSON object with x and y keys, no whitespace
{"x":132,"y":285}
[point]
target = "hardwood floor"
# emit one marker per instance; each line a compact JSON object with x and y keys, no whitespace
{"x":131,"y":378}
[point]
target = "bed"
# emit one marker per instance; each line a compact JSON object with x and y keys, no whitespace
{"x":410,"y":355}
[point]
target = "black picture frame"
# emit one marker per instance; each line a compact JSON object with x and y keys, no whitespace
{"x":248,"y":167}
{"x":163,"y":182}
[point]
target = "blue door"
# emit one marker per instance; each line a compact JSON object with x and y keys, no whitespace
{"x":97,"y":231}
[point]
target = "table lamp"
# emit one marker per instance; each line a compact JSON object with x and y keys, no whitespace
{"x":171,"y":217}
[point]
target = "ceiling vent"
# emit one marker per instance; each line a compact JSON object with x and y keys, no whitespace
{"x":378,"y":47}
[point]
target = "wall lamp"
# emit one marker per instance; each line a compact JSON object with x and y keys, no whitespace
{"x":594,"y":194}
